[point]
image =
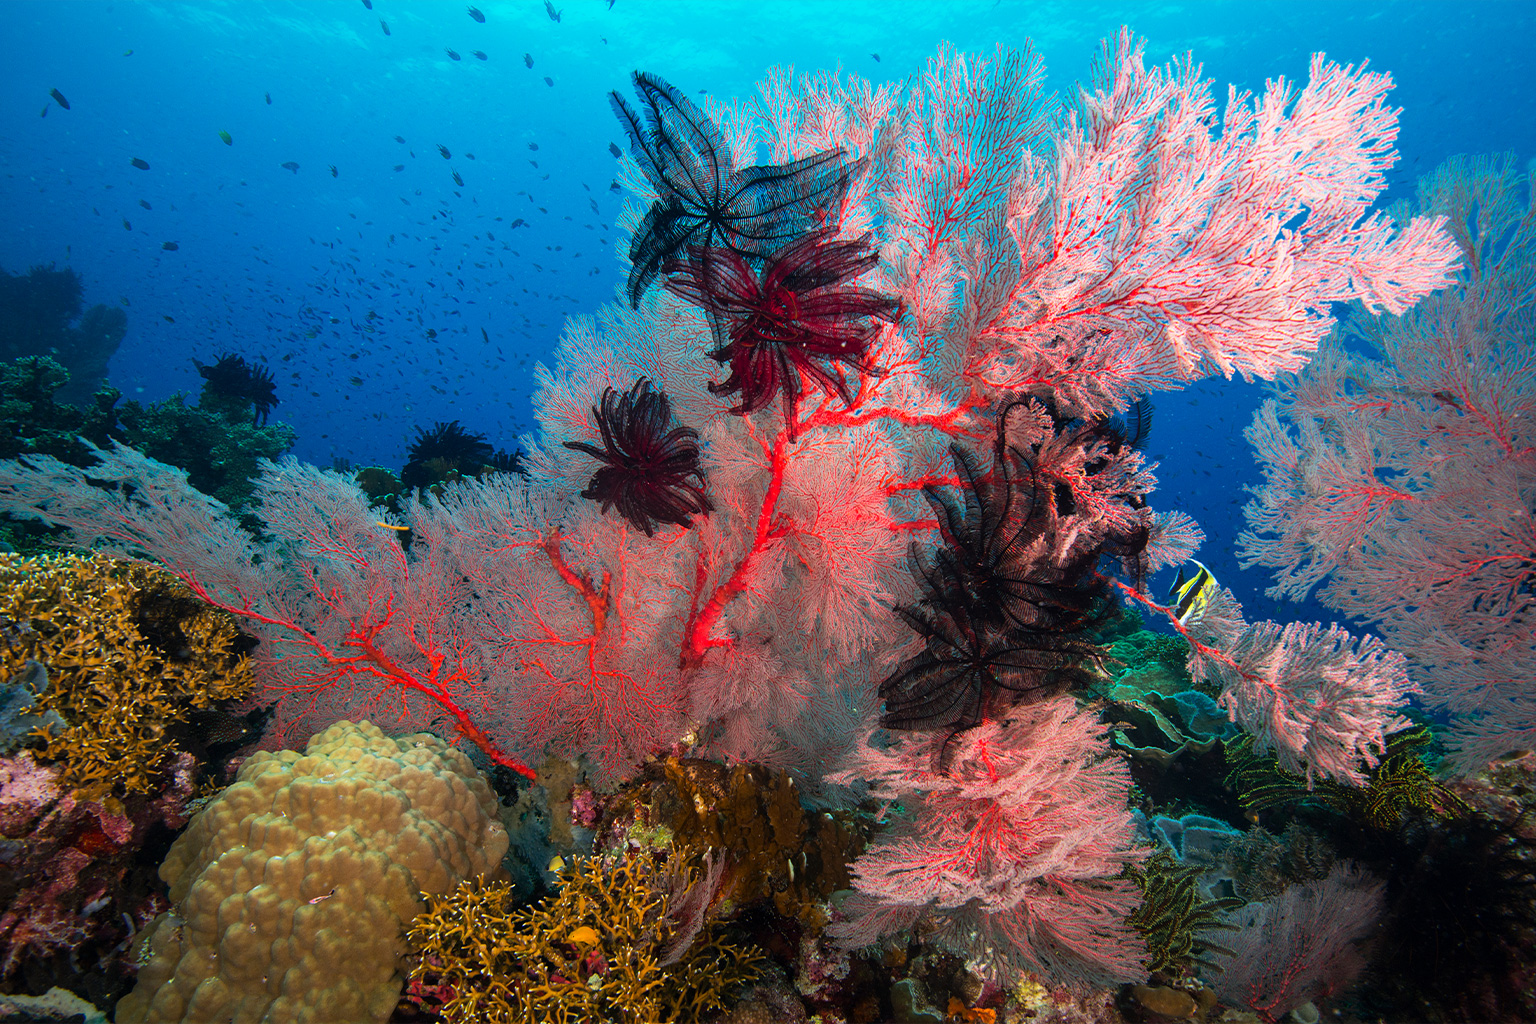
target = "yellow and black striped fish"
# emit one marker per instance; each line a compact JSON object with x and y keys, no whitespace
{"x":1190,"y":596}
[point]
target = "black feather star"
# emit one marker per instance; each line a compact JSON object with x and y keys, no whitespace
{"x":705,"y":203}
{"x":649,"y":465}
{"x":1010,"y":599}
{"x":969,"y":663}
{"x":233,"y":380}
{"x":445,"y":450}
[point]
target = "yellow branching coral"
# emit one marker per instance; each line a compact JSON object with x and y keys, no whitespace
{"x":128,"y":649}
{"x":603,"y":948}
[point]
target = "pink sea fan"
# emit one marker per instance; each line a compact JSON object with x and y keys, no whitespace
{"x":1011,"y":853}
{"x":1321,"y":700}
{"x":1301,"y":946}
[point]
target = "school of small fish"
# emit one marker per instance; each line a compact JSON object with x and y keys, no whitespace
{"x":327,"y":346}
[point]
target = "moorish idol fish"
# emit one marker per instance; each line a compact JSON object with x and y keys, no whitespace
{"x":1190,"y":597}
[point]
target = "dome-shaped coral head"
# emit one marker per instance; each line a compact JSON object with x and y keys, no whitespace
{"x":234,"y":379}
{"x":797,"y":316}
{"x":703,"y":200}
{"x":648,"y":464}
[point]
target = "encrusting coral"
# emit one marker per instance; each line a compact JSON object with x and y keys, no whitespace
{"x":291,"y":889}
{"x":128,"y":651}
{"x":73,"y":892}
{"x":625,"y":939}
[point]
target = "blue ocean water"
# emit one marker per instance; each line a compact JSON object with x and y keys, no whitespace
{"x":386,"y":296}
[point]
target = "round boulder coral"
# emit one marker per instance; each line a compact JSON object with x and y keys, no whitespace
{"x":291,"y":889}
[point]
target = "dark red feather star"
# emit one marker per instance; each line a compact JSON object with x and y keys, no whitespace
{"x":795,"y":316}
{"x":649,"y":465}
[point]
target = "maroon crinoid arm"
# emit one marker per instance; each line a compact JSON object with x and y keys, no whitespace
{"x":796,"y":317}
{"x":650,"y":468}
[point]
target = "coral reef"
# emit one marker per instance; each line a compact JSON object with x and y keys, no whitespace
{"x":129,"y":651}
{"x":774,"y":849}
{"x":74,"y":887}
{"x":623,"y":940}
{"x":35,"y":315}
{"x":1459,"y":942}
{"x":290,"y":889}
{"x":1401,"y":783}
{"x":219,"y":446}
{"x":1154,"y":661}
{"x":20,"y":714}
{"x":1123,"y":244}
{"x":36,"y":420}
{"x":1175,"y":914}
{"x":217,"y":441}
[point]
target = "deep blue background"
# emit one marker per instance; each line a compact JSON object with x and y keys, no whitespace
{"x":290,"y":265}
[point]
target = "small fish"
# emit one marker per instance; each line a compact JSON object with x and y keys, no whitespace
{"x":400,"y":139}
{"x":167,"y":318}
{"x":517,"y":223}
{"x":444,"y":151}
{"x":458,"y":180}
{"x":145,"y":203}
{"x":142,"y":165}
{"x":289,"y":165}
{"x":469,"y":156}
{"x":127,"y":226}
{"x":452,"y":55}
{"x":1191,"y":596}
{"x":474,"y":12}
{"x":399,"y":167}
{"x":615,"y":150}
{"x":388,"y":526}
{"x":549,"y":81}
{"x":384,"y":25}
{"x":528,"y":59}
{"x":226,"y":138}
{"x":269,"y":99}
{"x":479,"y":54}
{"x":127,"y":53}
{"x":58,"y":98}
{"x":169,"y":246}
{"x":45,"y":111}
{"x":533,"y":146}
{"x":549,"y":9}
{"x":368,"y":4}
{"x":557,"y":863}
{"x":333,"y":171}
{"x":487,"y":337}
{"x":585,"y":935}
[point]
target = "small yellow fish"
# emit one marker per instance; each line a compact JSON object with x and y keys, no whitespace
{"x":557,"y":863}
{"x":583,"y":936}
